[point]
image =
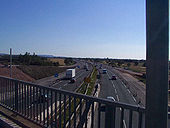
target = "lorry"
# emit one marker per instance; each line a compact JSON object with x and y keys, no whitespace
{"x":70,"y":73}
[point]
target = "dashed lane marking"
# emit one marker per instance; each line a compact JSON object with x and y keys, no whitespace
{"x":115,"y":91}
{"x":65,"y":84}
{"x":56,"y":83}
{"x":117,"y":97}
{"x":124,"y":123}
{"x":127,"y":90}
{"x":134,"y":98}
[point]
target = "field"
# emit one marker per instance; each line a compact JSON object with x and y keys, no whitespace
{"x":59,"y":60}
{"x":138,"y":68}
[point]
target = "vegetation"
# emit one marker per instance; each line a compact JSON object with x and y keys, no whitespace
{"x":141,"y":78}
{"x":69,"y":61}
{"x":59,"y":60}
{"x":92,"y":82}
{"x":38,"y":72}
{"x":27,"y":59}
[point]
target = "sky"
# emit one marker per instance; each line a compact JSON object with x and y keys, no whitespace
{"x":75,"y":28}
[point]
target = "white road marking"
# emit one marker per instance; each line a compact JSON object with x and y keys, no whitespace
{"x":56,"y":83}
{"x":117,"y":97}
{"x":128,"y":90}
{"x":65,"y":84}
{"x":124,"y":84}
{"x":134,"y":99}
{"x":115,"y":91}
{"x":125,"y":126}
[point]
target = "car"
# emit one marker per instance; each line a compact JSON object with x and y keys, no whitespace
{"x":98,"y":76}
{"x":114,"y":77}
{"x":104,"y":71}
{"x":103,"y":107}
{"x":111,"y":98}
{"x":72,"y":80}
{"x":44,"y":98}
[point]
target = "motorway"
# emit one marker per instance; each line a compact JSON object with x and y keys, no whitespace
{"x":60,"y":83}
{"x":114,"y":88}
{"x":118,"y":90}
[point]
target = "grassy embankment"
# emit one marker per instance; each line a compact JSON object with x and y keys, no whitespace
{"x":38,"y":72}
{"x":136,"y":68}
{"x":41,"y":71}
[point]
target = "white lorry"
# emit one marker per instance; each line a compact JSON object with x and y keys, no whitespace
{"x":70,"y":73}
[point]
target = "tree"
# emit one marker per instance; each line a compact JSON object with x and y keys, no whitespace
{"x":136,"y":63}
{"x":128,"y":64}
{"x":68,"y":61}
{"x":120,"y":63}
{"x":144,"y":64}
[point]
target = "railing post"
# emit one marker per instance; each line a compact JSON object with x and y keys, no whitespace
{"x":16,"y":95}
{"x":109,"y":122}
{"x":157,"y":52}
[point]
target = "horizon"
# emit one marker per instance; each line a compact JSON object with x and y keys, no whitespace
{"x":95,"y":29}
{"x":51,"y":56}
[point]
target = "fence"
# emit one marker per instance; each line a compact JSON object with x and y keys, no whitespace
{"x":51,"y":107}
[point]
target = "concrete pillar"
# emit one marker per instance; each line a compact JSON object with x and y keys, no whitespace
{"x":157,"y":52}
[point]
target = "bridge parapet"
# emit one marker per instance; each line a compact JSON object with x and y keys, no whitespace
{"x":51,"y":107}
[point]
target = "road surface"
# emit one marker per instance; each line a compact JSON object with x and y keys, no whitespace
{"x":118,"y":90}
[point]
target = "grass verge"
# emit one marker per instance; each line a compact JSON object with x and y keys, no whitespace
{"x":38,"y":72}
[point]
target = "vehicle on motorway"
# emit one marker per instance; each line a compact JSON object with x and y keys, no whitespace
{"x":72,"y":80}
{"x":111,"y":98}
{"x":104,"y":71}
{"x":86,"y":67}
{"x":103,"y":108}
{"x":100,"y":66}
{"x":98,"y":76}
{"x":70,"y":73}
{"x":114,"y":77}
{"x":43,"y":98}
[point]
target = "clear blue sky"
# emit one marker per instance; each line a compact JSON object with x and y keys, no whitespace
{"x":78,"y":28}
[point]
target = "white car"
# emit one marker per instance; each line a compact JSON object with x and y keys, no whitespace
{"x":111,"y":98}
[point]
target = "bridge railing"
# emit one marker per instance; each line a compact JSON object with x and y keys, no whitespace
{"x":51,"y":107}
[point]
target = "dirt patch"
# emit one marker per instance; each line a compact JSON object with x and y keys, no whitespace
{"x":16,"y":73}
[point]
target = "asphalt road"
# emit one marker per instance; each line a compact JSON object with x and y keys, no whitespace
{"x":118,"y":90}
{"x":66,"y":85}
{"x":60,"y":83}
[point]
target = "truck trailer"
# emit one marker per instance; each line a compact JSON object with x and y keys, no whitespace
{"x":70,"y":73}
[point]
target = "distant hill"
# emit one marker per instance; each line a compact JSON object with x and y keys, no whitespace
{"x":47,"y":56}
{"x":1,"y":54}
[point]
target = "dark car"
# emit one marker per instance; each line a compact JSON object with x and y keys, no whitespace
{"x":44,"y":98}
{"x":72,"y":80}
{"x":114,"y":77}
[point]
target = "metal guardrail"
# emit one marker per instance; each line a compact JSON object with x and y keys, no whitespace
{"x":51,"y":107}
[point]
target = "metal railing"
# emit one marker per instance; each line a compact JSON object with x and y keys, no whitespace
{"x":51,"y":107}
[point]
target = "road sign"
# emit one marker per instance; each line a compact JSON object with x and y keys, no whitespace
{"x":56,"y":75}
